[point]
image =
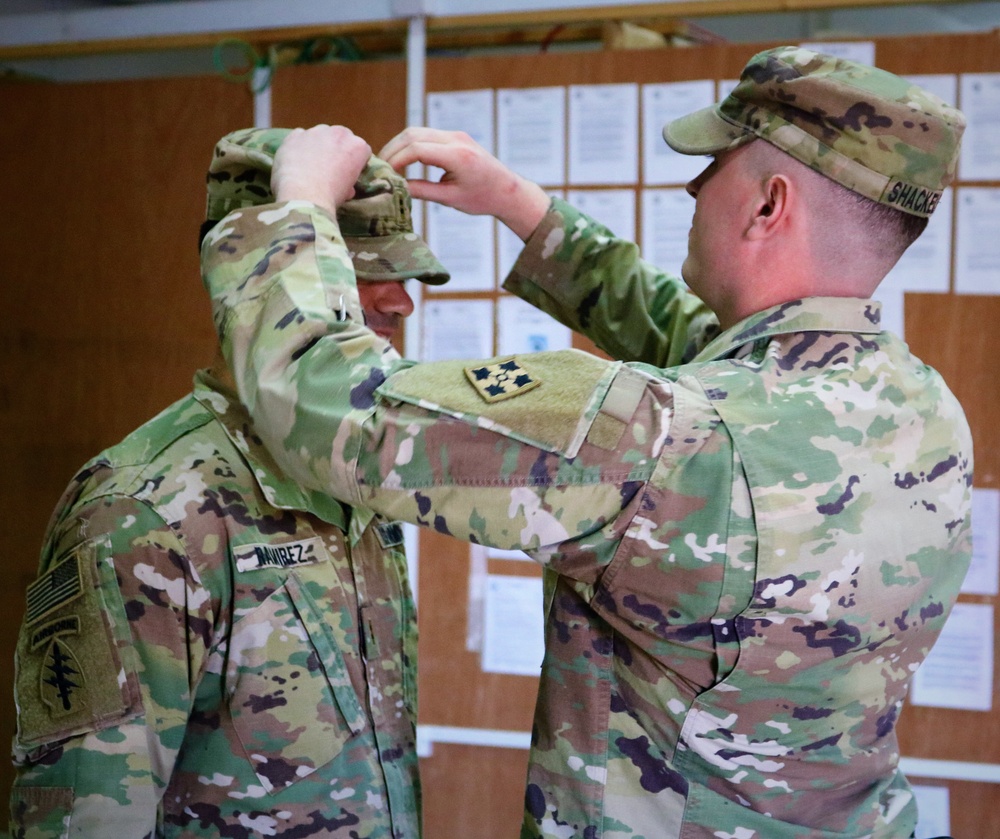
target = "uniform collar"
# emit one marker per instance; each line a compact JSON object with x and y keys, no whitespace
{"x":811,"y":314}
{"x":214,"y":390}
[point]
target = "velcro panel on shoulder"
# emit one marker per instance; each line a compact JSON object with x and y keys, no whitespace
{"x":617,"y":409}
{"x":548,"y":399}
{"x":69,"y":671}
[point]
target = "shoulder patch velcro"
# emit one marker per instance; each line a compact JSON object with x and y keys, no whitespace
{"x":501,"y":380}
{"x":558,"y":394}
{"x":70,"y":675}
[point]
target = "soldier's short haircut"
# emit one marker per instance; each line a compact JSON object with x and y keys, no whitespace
{"x":888,"y":227}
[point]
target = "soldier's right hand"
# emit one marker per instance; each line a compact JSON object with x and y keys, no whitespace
{"x":319,"y":164}
{"x":474,"y":181}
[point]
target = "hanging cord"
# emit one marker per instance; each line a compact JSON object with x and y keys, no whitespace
{"x":226,"y":55}
{"x":550,"y":36}
{"x":237,"y":60}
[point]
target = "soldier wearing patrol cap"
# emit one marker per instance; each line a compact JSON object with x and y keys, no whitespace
{"x":210,"y":650}
{"x":756,"y":519}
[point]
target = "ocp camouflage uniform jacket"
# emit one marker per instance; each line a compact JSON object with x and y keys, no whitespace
{"x":201,"y":658}
{"x":755,"y":542}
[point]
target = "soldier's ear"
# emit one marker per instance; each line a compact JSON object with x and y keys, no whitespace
{"x":770,"y":211}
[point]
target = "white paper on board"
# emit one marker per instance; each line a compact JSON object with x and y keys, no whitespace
{"x":531,"y":132}
{"x":465,"y":245}
{"x":662,"y":103}
{"x":984,"y":570}
{"x":980,"y":102}
{"x":666,"y":221}
{"x":933,"y":811}
{"x":925,"y":266}
{"x":614,"y":208}
{"x":521,"y":328}
{"x":470,"y":111}
{"x":893,"y":302}
{"x":958,"y":673}
{"x":513,"y":631}
{"x":860,"y":51}
{"x":977,"y":245}
{"x":604,"y":134}
{"x":454,"y":329}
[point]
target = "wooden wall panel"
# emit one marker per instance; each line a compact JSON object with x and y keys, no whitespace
{"x":453,"y":688}
{"x":369,"y":97}
{"x":104,"y":316}
{"x":473,"y":792}
{"x":973,"y":807}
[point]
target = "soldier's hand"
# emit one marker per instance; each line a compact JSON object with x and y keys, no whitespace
{"x":474,"y":181}
{"x":319,"y":164}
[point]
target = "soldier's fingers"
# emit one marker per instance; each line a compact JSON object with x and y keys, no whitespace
{"x":414,"y":134}
{"x":433,"y":147}
{"x":428,"y":190}
{"x":443,"y":155}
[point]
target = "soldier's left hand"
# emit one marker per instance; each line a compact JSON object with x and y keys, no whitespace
{"x":474,"y":181}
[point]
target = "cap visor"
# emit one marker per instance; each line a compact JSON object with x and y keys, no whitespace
{"x":397,"y":257}
{"x":704,"y":132}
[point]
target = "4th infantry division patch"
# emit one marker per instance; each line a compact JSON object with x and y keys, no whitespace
{"x":501,"y":380}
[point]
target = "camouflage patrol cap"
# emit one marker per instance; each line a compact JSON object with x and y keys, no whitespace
{"x":871,"y":131}
{"x":377,"y":223}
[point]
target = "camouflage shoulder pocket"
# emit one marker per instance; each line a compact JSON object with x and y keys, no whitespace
{"x":70,"y":677}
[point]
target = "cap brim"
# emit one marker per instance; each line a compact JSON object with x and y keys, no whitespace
{"x":704,"y":132}
{"x":393,"y":258}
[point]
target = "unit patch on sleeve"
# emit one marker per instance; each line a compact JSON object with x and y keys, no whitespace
{"x":62,"y":676}
{"x":501,"y":380}
{"x":286,"y":555}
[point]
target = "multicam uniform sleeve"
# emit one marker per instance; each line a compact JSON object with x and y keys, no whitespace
{"x":113,"y":637}
{"x":555,"y":459}
{"x":577,"y":271}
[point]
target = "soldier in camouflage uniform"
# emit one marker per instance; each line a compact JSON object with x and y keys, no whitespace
{"x":755,"y":522}
{"x":210,"y":651}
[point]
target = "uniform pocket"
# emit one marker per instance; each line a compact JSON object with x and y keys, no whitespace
{"x":292,"y":703}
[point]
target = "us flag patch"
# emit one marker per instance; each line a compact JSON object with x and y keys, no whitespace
{"x":501,"y":380}
{"x":53,"y":591}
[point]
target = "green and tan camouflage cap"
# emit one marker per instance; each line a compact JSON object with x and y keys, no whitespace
{"x":377,"y":223}
{"x":871,"y":131}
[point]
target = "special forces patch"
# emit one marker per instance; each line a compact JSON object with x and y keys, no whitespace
{"x":501,"y":380}
{"x":61,"y":678}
